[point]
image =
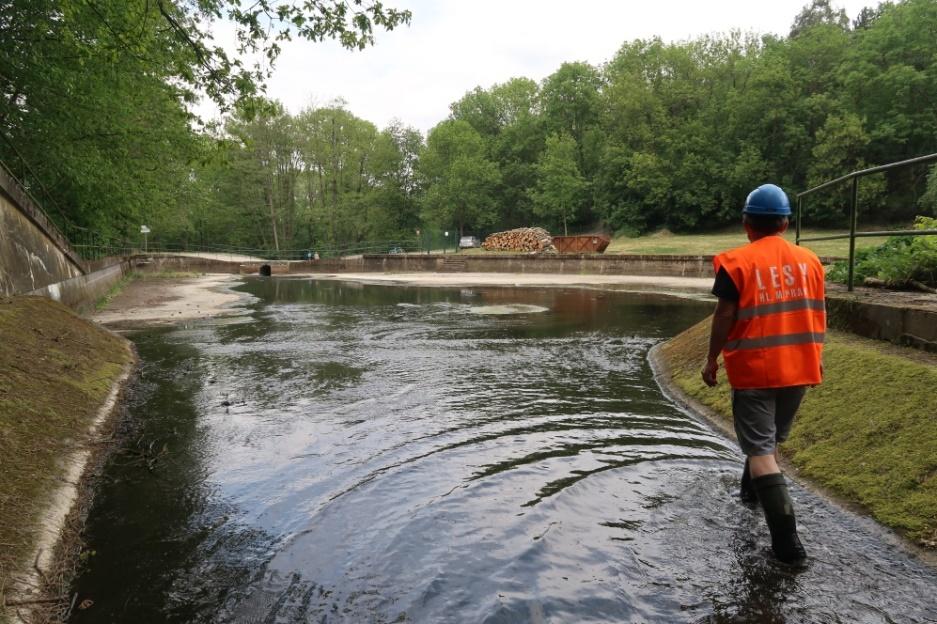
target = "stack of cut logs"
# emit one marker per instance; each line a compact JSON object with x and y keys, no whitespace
{"x":522,"y":239}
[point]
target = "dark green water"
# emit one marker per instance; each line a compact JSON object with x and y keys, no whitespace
{"x":350,"y":453}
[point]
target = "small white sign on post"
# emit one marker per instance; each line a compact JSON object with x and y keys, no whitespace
{"x":144,"y":229}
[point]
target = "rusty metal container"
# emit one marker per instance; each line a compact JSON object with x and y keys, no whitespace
{"x":592,"y":243}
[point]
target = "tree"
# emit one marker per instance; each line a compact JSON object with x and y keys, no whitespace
{"x":94,"y":95}
{"x":507,"y":116}
{"x":570,"y":102}
{"x":839,"y":149}
{"x":460,"y":180}
{"x":816,"y":13}
{"x":559,"y":184}
{"x":928,"y":201}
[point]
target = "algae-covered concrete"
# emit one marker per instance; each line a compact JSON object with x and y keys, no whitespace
{"x":59,"y":379}
{"x":867,"y":434}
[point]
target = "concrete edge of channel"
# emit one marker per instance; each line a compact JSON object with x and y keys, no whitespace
{"x":661,"y":372}
{"x":51,"y":563}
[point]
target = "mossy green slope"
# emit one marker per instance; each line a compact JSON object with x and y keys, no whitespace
{"x":868,"y":433}
{"x":56,"y":370}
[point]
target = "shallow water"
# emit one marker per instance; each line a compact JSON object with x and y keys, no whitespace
{"x":352,"y":453}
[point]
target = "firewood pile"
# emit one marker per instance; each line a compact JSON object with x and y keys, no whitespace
{"x":537,"y":240}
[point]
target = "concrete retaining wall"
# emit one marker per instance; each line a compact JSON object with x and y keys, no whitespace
{"x":907,"y":326}
{"x":569,"y":264}
{"x":183,"y":263}
{"x":33,"y":253}
{"x":82,"y":292}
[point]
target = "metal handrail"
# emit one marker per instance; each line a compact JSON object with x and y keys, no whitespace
{"x":854,"y":212}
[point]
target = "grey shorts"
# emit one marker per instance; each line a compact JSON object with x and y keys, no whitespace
{"x":763,"y":417}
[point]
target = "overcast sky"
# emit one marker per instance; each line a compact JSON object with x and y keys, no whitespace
{"x":451,"y":46}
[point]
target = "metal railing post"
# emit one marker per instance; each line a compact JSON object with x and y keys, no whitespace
{"x":800,"y":208}
{"x":853,"y":218}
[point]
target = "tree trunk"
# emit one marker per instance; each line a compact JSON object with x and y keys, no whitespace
{"x":273,"y":217}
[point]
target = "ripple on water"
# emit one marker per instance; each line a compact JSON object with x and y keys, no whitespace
{"x":377,"y":454}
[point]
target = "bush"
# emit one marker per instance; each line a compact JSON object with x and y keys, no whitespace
{"x":898,"y":261}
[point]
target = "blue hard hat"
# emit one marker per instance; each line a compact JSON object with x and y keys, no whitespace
{"x":767,"y":199}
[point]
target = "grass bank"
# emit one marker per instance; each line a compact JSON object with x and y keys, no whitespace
{"x":868,"y":433}
{"x":56,"y":369}
{"x":664,"y":242}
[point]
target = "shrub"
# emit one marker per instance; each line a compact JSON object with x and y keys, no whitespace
{"x":898,"y":261}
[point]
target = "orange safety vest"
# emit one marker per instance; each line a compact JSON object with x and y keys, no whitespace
{"x":777,"y":339}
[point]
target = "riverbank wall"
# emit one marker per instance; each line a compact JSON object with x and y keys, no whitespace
{"x":82,"y":292}
{"x":33,"y":253}
{"x":565,"y":264}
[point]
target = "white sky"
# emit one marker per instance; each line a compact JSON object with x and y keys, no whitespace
{"x":414,"y":73}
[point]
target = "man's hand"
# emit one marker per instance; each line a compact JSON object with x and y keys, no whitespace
{"x":709,"y":372}
{"x":723,"y":320}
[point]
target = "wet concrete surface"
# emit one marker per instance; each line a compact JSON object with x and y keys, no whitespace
{"x":361,"y":453}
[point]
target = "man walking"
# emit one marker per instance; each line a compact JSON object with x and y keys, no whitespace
{"x":769,"y":325}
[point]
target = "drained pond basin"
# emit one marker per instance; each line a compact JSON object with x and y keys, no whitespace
{"x":355,"y":453}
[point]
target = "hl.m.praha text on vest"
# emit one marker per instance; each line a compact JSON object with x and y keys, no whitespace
{"x":777,"y":339}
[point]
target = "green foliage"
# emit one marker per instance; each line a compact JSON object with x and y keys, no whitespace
{"x":95,"y":97}
{"x":928,"y":200}
{"x":94,"y":116}
{"x":897,"y":261}
{"x":839,"y":147}
{"x":818,"y":12}
{"x":321,"y":178}
{"x":460,"y":179}
{"x":559,"y":184}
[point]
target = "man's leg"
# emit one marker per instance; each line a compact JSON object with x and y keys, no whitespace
{"x":755,"y":430}
{"x":746,"y":492}
{"x":756,"y":424}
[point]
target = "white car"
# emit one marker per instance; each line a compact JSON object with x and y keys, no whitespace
{"x":469,"y":241}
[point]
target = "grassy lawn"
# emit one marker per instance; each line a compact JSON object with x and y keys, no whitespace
{"x":711,"y":243}
{"x":867,"y":433}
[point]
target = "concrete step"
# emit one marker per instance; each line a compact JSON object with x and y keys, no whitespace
{"x":454,"y":264}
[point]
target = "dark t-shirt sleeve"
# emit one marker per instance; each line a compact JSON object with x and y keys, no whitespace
{"x":724,"y":287}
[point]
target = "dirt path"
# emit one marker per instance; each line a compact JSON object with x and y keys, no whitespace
{"x":155,"y":301}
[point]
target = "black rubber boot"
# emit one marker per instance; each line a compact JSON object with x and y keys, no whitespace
{"x":779,"y":513}
{"x":746,"y":491}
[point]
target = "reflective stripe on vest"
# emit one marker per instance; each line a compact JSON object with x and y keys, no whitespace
{"x":775,"y":341}
{"x":784,"y":306}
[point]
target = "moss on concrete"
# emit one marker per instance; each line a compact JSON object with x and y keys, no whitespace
{"x":114,"y":290}
{"x":56,"y":370}
{"x":868,"y":433}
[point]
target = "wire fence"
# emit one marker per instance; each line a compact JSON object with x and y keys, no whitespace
{"x":98,"y":249}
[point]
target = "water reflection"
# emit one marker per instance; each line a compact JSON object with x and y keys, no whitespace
{"x":376,"y":454}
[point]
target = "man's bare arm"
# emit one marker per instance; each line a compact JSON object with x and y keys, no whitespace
{"x":723,"y":320}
